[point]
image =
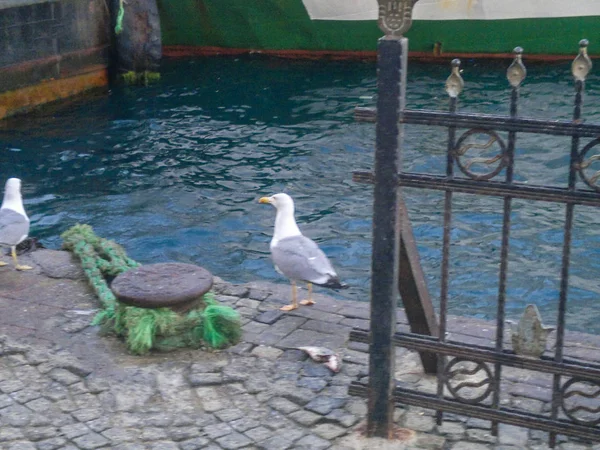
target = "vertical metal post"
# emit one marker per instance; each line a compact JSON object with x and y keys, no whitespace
{"x":516,"y":74}
{"x":391,"y":67}
{"x":454,"y":86}
{"x":580,"y":68}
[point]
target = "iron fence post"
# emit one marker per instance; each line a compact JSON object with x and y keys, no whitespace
{"x":391,"y":67}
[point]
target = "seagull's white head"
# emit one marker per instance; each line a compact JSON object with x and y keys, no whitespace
{"x":285,"y":224}
{"x":13,"y":185}
{"x":12,"y":190}
{"x":12,"y":195}
{"x":282,"y":202}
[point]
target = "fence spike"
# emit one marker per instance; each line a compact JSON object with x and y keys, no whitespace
{"x":455,"y":83}
{"x":582,"y":64}
{"x":516,"y":72}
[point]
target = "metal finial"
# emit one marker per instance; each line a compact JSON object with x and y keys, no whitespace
{"x":516,"y":72}
{"x":582,"y":64}
{"x":455,"y":83}
{"x":395,"y":16}
{"x":529,"y":337}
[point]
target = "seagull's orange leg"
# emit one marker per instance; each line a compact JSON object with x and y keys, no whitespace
{"x":294,"y":304}
{"x":309,"y":300}
{"x":17,"y":265}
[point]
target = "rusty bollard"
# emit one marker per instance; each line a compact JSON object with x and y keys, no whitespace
{"x":165,"y":285}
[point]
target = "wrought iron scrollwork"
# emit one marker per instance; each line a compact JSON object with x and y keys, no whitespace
{"x":588,"y":174}
{"x":468,"y":381}
{"x":579,"y":401}
{"x":464,"y":145}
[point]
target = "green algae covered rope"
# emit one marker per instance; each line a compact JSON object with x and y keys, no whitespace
{"x":99,"y":258}
{"x":214,"y":326}
{"x":120,"y":15}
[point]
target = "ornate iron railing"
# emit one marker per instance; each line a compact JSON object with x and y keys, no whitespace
{"x":469,"y":376}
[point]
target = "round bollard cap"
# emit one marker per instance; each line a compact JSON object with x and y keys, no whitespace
{"x":171,"y":285}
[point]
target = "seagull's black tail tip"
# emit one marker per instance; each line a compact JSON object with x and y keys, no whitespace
{"x":334,"y":283}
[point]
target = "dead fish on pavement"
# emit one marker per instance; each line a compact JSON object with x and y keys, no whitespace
{"x":324,"y":355}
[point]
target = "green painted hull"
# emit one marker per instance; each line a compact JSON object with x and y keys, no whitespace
{"x":284,"y":26}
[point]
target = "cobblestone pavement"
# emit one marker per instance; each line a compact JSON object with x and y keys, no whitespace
{"x":65,"y":386}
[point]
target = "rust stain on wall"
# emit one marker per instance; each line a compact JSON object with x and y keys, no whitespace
{"x":30,"y":97}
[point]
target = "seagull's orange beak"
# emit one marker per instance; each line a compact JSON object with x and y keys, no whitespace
{"x":264,"y":200}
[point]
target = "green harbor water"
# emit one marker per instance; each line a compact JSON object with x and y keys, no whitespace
{"x":173,"y":172}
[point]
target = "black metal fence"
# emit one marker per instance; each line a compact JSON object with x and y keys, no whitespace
{"x":469,"y":377}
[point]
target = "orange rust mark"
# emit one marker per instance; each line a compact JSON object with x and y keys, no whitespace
{"x":189,"y":50}
{"x":397,"y":433}
{"x":427,"y":56}
{"x":175,"y":51}
{"x":54,"y":59}
{"x":403,"y":434}
{"x":27,"y":98}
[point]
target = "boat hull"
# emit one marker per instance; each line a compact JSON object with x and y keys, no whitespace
{"x":284,"y":27}
{"x":51,"y":50}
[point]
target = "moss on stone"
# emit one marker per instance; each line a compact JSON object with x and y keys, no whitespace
{"x":140,"y":78}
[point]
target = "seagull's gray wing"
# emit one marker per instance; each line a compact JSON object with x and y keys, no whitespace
{"x":14,"y":227}
{"x":299,"y":258}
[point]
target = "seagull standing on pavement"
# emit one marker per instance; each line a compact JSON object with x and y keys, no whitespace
{"x":296,"y":256}
{"x":14,"y":223}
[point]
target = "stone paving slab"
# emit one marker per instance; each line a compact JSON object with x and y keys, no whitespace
{"x":63,"y":385}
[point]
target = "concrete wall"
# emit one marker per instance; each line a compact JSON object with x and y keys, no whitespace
{"x":51,"y":49}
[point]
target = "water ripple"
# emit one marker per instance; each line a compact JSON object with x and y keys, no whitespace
{"x":173,"y":172}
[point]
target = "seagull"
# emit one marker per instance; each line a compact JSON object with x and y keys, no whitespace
{"x":296,"y":256}
{"x":14,"y":223}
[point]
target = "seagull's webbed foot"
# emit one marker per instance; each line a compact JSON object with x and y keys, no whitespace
{"x":289,"y":307}
{"x":309,"y":301}
{"x":22,"y":267}
{"x":294,"y":304}
{"x":2,"y":264}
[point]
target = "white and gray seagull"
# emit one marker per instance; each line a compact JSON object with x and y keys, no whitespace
{"x":296,"y":256}
{"x":14,"y":223}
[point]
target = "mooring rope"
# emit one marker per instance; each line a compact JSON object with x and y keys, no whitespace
{"x":120,"y":15}
{"x":213,"y":325}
